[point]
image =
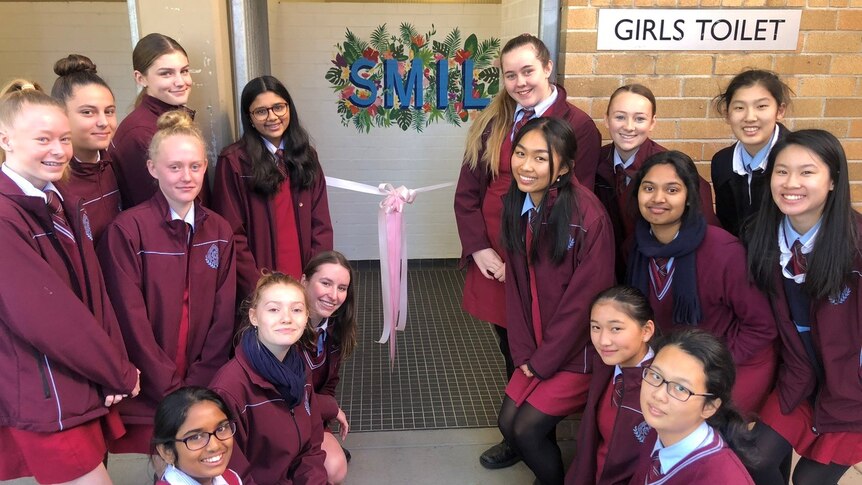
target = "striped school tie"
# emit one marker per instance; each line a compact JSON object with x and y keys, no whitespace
{"x":61,"y":225}
{"x":527,"y":115}
{"x":279,"y":162}
{"x":798,"y":261}
{"x":617,"y":398}
{"x":654,"y":468}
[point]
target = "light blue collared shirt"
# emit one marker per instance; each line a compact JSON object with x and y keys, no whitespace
{"x":25,"y":185}
{"x":539,"y":108}
{"x":671,"y":455}
{"x":272,"y":148}
{"x":528,"y":205}
{"x":739,"y":165}
{"x":619,"y":162}
{"x":175,"y":476}
{"x":786,"y":237}
{"x":649,"y":355}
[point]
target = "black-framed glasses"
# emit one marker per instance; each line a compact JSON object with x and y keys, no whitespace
{"x":278,"y":109}
{"x":674,"y":389}
{"x":200,"y":440}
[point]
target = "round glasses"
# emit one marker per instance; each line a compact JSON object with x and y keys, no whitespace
{"x":674,"y":389}
{"x":200,"y":440}
{"x":278,"y":109}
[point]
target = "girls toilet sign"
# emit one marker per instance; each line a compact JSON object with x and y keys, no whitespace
{"x":410,"y":80}
{"x":698,"y":29}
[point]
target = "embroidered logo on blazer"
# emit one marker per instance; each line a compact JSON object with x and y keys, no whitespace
{"x":307,"y":404}
{"x":841,"y":298}
{"x":212,"y":257}
{"x":640,"y":431}
{"x":571,"y":243}
{"x":85,"y":220}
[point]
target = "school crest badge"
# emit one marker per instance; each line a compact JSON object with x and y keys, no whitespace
{"x":85,"y":221}
{"x":212,"y":257}
{"x":641,"y":431}
{"x":841,"y":297}
{"x":571,"y":243}
{"x":307,"y":404}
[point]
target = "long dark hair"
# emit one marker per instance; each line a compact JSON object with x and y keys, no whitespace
{"x":630,"y":301}
{"x":685,"y":170}
{"x":752,"y":77}
{"x":344,"y":318}
{"x":557,"y":220}
{"x":302,"y":164}
{"x":720,"y":373}
{"x":831,"y":261}
{"x":173,"y":411}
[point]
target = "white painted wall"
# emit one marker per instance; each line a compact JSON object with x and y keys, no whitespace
{"x":303,"y":38}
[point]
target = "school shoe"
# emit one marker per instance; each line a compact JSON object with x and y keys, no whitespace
{"x":500,"y":455}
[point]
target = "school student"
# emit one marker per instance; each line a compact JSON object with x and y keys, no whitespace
{"x":694,"y":274}
{"x":92,"y":114}
{"x":559,"y":248}
{"x":698,"y":435}
{"x":170,"y":272}
{"x":63,"y":358}
{"x":328,"y":280}
{"x":193,"y":435}
{"x":752,"y":104}
{"x":630,"y":119}
{"x":612,"y":434}
{"x":270,"y":186}
{"x":266,"y":386}
{"x":804,"y":251}
{"x":162,"y":72}
{"x":487,"y":174}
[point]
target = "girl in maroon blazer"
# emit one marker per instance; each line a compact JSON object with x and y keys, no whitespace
{"x":630,"y":118}
{"x":613,"y":433}
{"x":93,"y":119}
{"x":804,"y":251}
{"x":62,"y":355}
{"x":266,"y":386}
{"x":694,"y":274}
{"x":559,"y":248}
{"x":698,"y":435}
{"x":753,"y":104}
{"x":328,"y":280}
{"x":270,"y":186}
{"x":193,"y":434}
{"x":169,"y":265}
{"x":486,"y":176}
{"x":162,"y":71}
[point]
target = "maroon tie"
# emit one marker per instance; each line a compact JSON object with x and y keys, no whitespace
{"x":617,"y":398}
{"x":654,"y":468}
{"x":661,"y":265}
{"x":61,"y":225}
{"x":798,"y":261}
{"x":279,"y":162}
{"x":527,"y":116}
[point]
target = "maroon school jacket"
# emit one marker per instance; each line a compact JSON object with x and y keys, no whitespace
{"x":96,"y":184}
{"x":129,"y":151}
{"x":145,"y":255}
{"x":733,"y":309}
{"x":325,"y":375}
{"x":837,"y":336}
{"x":566,"y":291}
{"x":251,"y":216}
{"x":59,"y":355}
{"x":274,"y":445}
{"x":714,"y":463}
{"x":472,"y":184}
{"x":630,"y":432}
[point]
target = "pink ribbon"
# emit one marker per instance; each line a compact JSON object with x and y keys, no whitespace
{"x":393,"y":251}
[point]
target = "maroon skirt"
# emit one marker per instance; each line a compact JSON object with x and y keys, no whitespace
{"x":56,"y":457}
{"x":842,"y":448}
{"x":136,"y":440}
{"x":754,"y":381}
{"x":563,"y":394}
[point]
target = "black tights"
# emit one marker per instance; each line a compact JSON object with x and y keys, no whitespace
{"x":503,"y":340}
{"x":773,"y":467}
{"x":533,"y":434}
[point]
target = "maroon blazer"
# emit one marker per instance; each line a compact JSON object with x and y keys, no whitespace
{"x":251,"y":216}
{"x":325,"y":376}
{"x":714,"y":463}
{"x":96,"y":184}
{"x":472,"y":184}
{"x":630,"y":432}
{"x":274,"y":445}
{"x":60,"y":354}
{"x":837,"y":335}
{"x":145,"y":255}
{"x":130,"y":147}
{"x":566,"y":291}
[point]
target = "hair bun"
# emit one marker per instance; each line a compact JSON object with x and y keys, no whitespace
{"x":176,"y":119}
{"x":74,"y":63}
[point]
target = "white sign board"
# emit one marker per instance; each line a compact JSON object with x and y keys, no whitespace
{"x":698,"y":29}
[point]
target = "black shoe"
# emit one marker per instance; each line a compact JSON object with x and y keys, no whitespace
{"x":500,"y":455}
{"x":346,"y":453}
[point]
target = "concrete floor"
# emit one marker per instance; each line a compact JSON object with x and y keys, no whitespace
{"x":449,"y":457}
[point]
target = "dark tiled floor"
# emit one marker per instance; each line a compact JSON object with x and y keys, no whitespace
{"x":448,"y":372}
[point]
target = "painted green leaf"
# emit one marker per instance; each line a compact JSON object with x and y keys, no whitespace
{"x":471,"y":44}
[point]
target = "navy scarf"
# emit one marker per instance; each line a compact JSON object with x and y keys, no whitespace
{"x":686,"y":304}
{"x":287,"y":376}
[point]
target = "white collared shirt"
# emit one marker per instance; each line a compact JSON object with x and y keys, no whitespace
{"x":739,"y":166}
{"x":272,"y":148}
{"x":25,"y":185}
{"x":786,"y":237}
{"x":539,"y":109}
{"x":188,"y":219}
{"x":673,"y":454}
{"x":175,"y":476}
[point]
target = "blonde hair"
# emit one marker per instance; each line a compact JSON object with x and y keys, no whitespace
{"x":174,"y":123}
{"x":269,"y":279}
{"x":15,"y":95}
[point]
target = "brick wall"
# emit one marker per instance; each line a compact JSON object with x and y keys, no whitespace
{"x":825,"y":72}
